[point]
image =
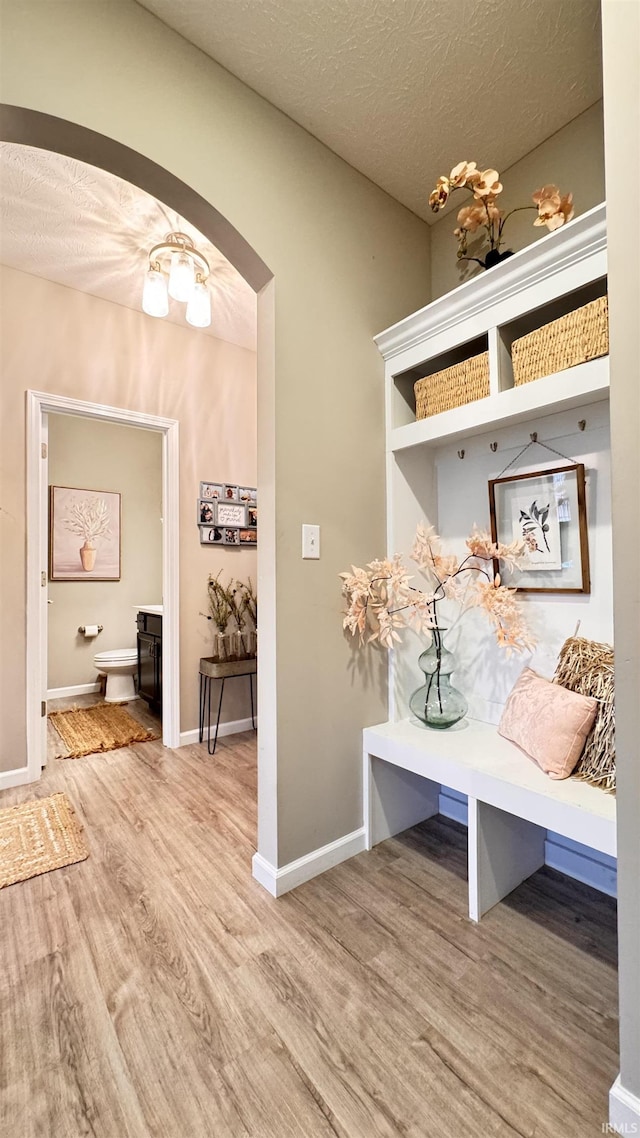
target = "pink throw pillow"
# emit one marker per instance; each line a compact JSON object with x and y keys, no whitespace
{"x":549,"y":722}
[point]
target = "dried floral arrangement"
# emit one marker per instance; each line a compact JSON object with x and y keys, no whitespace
{"x":553,"y":209}
{"x":381,"y":598}
{"x":233,"y":604}
{"x":88,"y":518}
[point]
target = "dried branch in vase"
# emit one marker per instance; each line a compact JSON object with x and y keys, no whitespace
{"x":232,"y":604}
{"x":381,"y":599}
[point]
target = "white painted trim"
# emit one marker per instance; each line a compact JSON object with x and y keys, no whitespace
{"x":231,"y":727}
{"x":76,"y":689}
{"x":268,"y":631}
{"x":624,"y":1110}
{"x":64,"y":405}
{"x":17,"y":777}
{"x":279,"y":881}
{"x":577,"y":241}
{"x":36,"y":677}
{"x":171,"y":585}
{"x":40,"y":403}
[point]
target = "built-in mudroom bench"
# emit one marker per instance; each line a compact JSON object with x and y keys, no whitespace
{"x":439,"y":467}
{"x":511,"y":802}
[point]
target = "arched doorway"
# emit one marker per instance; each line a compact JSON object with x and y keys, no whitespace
{"x":29,"y":128}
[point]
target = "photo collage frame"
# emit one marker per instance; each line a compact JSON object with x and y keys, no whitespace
{"x":228,"y":514}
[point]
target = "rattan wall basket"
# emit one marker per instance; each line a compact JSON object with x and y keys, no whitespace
{"x":573,"y":339}
{"x":462,"y":383}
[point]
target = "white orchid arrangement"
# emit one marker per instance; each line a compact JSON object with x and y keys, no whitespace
{"x":88,"y":518}
{"x":381,"y":599}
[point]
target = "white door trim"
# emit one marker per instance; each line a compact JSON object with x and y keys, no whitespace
{"x":38,"y":404}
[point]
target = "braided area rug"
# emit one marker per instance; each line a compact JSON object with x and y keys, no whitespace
{"x":38,"y":836}
{"x":91,"y":730}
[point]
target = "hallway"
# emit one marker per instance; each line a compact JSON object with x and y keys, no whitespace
{"x":156,"y":989}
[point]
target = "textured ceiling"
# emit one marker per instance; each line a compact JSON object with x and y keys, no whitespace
{"x":82,"y":227}
{"x":404,"y":89}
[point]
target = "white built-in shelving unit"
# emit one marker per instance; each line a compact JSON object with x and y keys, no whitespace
{"x":438,"y":468}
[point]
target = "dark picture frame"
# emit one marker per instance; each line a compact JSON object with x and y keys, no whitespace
{"x":546,"y":508}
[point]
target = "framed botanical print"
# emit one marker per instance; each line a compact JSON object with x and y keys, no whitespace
{"x":546,"y":510}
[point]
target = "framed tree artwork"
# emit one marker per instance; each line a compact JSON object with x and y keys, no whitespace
{"x":84,"y":534}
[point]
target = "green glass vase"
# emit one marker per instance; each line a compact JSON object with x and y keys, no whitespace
{"x":437,"y":703}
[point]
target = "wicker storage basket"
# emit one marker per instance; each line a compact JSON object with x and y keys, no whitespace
{"x":462,"y":383}
{"x":573,"y":339}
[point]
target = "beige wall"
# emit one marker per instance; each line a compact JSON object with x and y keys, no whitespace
{"x":621,"y":51}
{"x":572,"y":159}
{"x":347,"y":261}
{"x":126,"y":460}
{"x":101,"y":352}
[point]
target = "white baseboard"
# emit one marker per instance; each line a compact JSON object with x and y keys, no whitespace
{"x":583,"y":864}
{"x":76,"y":689}
{"x":233,"y":727}
{"x":279,"y":881}
{"x":17,"y":777}
{"x":451,"y":804}
{"x":575,"y":860}
{"x":624,"y":1111}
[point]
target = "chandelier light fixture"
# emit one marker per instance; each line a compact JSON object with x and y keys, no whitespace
{"x":177,"y":270}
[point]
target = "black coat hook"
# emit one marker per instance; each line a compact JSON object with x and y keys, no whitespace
{"x":493,"y":447}
{"x":460,"y":454}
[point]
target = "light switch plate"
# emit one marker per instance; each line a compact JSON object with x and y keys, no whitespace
{"x":311,"y":542}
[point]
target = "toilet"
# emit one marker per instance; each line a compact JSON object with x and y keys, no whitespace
{"x":119,"y":666}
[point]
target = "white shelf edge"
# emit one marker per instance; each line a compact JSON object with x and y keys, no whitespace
{"x":579,"y":385}
{"x":581,"y":238}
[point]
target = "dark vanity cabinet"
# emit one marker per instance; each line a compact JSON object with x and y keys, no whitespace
{"x":150,"y":659}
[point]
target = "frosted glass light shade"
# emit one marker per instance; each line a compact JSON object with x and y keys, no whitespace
{"x":155,"y":300}
{"x":181,"y":277}
{"x":198,"y":313}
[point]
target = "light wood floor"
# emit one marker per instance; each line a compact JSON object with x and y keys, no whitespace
{"x":157,"y":990}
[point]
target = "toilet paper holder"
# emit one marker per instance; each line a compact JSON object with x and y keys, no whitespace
{"x":83,"y":628}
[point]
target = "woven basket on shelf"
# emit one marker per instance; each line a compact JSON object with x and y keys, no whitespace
{"x":573,"y":339}
{"x":586,"y":667}
{"x":462,"y":383}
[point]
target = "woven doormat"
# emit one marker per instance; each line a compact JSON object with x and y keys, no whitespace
{"x":38,"y":836}
{"x":91,"y":730}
